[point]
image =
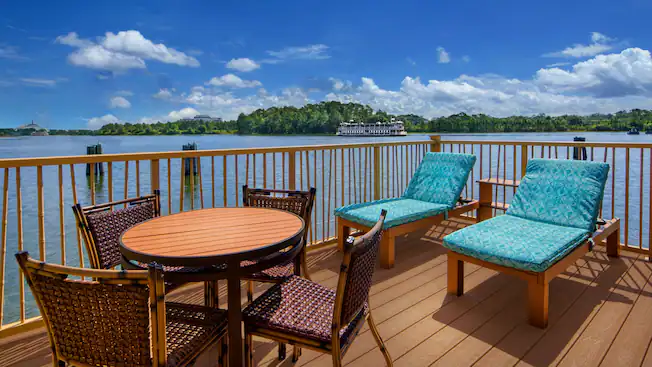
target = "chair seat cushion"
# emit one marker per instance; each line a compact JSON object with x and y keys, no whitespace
{"x":516,"y":242}
{"x":190,"y":329}
{"x":399,"y":211}
{"x":275,"y":273}
{"x":300,"y":308}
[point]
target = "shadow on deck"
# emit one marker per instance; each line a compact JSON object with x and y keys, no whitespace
{"x":599,"y":315}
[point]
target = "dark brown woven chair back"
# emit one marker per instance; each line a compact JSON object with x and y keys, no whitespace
{"x":102,"y":225}
{"x":101,"y":322}
{"x":297,"y":202}
{"x":357,"y":270}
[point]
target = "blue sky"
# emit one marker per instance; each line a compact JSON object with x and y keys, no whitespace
{"x":83,"y":64}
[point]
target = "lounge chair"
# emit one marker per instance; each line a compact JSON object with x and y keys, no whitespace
{"x":432,"y":196}
{"x":547,"y":227}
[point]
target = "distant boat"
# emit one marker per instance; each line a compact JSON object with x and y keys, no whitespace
{"x":392,"y":128}
{"x":633,"y":131}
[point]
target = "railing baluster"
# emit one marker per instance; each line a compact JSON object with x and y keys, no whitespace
{"x":19,"y":228}
{"x":253,"y":172}
{"x":314,"y":180}
{"x":283,"y":169}
{"x":237,"y":187}
{"x":626,"y":197}
{"x":182,"y":181}
{"x":169,"y":186}
{"x":73,"y":185}
{"x":224,"y":183}
{"x":137,"y":178}
{"x":62,"y":226}
{"x":247,"y":169}
{"x":613,"y":182}
{"x":213,"y":181}
{"x":264,"y":169}
{"x":191,"y":171}
{"x":301,"y":170}
{"x":331,"y":166}
{"x":649,"y":232}
{"x":323,"y":195}
{"x":41,"y":212}
{"x":126,"y":192}
{"x":3,"y":241}
{"x":110,"y":184}
{"x":497,"y":177}
{"x":92,"y":183}
{"x":640,"y":204}
{"x":274,"y":170}
{"x":201,"y":183}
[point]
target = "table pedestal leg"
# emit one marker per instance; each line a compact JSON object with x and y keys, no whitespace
{"x":236,"y":353}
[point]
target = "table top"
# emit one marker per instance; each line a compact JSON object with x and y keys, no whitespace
{"x":201,"y":237}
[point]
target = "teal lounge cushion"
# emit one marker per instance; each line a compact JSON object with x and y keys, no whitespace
{"x":563,"y":192}
{"x":399,"y":211}
{"x":440,"y":178}
{"x":516,"y":242}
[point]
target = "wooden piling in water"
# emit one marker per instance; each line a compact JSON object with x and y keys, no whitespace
{"x":195,"y":161}
{"x":97,"y":167}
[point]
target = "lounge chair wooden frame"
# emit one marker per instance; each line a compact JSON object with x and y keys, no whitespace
{"x":333,"y":348}
{"x":387,"y":246}
{"x":538,"y":283}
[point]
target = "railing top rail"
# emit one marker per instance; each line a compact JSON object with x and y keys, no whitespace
{"x":551,"y":143}
{"x":122,"y":157}
{"x":81,"y":159}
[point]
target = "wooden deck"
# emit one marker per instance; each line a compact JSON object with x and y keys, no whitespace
{"x":600,"y":314}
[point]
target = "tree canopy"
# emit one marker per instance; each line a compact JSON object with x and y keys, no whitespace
{"x":324,"y":118}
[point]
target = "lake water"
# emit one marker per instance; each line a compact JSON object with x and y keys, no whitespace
{"x":76,"y":145}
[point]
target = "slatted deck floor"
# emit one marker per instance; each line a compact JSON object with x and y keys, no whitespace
{"x":600,"y":315}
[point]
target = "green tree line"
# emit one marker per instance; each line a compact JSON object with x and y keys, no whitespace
{"x":324,"y":118}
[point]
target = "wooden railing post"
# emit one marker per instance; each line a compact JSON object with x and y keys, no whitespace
{"x":485,"y":201}
{"x":435,"y":145}
{"x":292,"y":170}
{"x":154,"y":174}
{"x":523,"y":159}
{"x":377,"y":173}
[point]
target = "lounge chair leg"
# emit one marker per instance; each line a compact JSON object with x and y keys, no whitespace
{"x":455,"y":275}
{"x":613,"y":243}
{"x":387,"y":251}
{"x":379,"y":341}
{"x":538,"y":304}
{"x":250,"y":291}
{"x":343,"y":233}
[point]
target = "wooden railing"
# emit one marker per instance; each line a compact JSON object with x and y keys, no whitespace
{"x":37,"y":193}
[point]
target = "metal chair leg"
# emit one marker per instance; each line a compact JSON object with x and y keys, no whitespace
{"x":379,"y":340}
{"x":296,"y":353}
{"x":282,"y":351}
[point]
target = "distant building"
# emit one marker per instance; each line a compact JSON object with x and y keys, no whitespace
{"x":206,"y":118}
{"x":39,"y":131}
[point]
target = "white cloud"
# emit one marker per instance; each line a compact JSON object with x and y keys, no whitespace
{"x":163,"y":93}
{"x":37,"y":82}
{"x":558,"y":64}
{"x":124,"y":93}
{"x":11,"y":53}
{"x":97,"y":122}
{"x":233,"y":81}
{"x":442,"y":56}
{"x":310,"y":52}
{"x":243,"y":64}
{"x":340,"y":85}
{"x":98,"y":57}
{"x":600,"y":44}
{"x":122,"y":51}
{"x":615,"y":75}
{"x":134,"y":43}
{"x":184,"y":113}
{"x":119,"y":102}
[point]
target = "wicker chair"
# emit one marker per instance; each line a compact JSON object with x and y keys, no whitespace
{"x":306,"y":314}
{"x":297,"y":202}
{"x":120,"y":318}
{"x":102,"y":225}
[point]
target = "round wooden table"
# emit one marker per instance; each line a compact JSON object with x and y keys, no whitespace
{"x":218,"y":236}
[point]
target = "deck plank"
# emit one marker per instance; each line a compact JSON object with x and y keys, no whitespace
{"x":599,"y":313}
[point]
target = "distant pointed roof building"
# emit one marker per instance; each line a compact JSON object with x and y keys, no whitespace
{"x":31,"y":125}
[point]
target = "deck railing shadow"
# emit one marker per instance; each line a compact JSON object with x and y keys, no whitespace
{"x":573,"y":300}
